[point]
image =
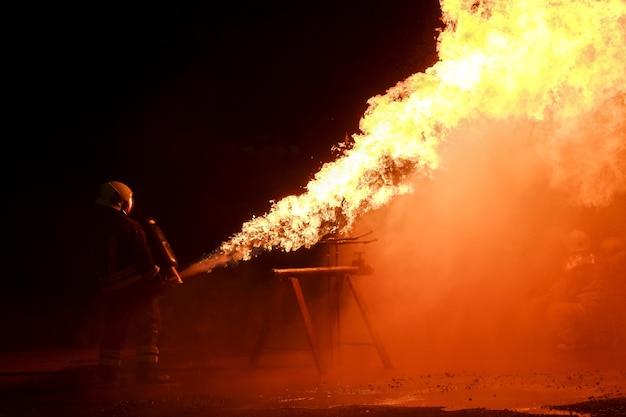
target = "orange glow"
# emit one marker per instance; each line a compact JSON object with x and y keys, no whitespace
{"x":553,"y":67}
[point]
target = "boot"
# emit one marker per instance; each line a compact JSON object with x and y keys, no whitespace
{"x":108,"y":374}
{"x":147,"y":373}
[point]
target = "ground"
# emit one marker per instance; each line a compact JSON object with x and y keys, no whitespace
{"x":64,"y":383}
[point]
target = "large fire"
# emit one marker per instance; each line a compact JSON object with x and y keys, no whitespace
{"x":557,"y":65}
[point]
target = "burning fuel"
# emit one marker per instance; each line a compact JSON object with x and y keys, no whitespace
{"x":557,"y":66}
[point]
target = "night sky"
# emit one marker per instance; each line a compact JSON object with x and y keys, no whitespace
{"x":208,"y":112}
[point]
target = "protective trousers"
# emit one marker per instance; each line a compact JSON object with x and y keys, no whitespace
{"x":119,"y":312}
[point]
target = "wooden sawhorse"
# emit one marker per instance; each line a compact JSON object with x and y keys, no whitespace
{"x":290,"y":278}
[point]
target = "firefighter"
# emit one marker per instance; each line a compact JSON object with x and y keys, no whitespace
{"x":130,"y":285}
{"x":578,"y":298}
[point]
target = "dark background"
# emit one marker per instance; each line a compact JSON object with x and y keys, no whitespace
{"x":207,"y":112}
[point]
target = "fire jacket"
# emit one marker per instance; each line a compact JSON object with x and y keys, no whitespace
{"x":119,"y":249}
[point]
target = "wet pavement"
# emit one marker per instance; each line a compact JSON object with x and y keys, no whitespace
{"x":64,"y":383}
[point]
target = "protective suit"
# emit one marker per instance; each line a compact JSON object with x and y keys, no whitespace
{"x":130,"y":284}
{"x":577,"y":300}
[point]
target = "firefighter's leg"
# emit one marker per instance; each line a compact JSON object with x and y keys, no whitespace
{"x":148,"y":325}
{"x":567,"y":321}
{"x":115,"y":323}
{"x":109,"y":365}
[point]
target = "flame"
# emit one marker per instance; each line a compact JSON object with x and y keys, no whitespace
{"x":557,"y":63}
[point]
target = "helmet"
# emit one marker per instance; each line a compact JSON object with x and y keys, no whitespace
{"x":116,"y":195}
{"x":577,"y":241}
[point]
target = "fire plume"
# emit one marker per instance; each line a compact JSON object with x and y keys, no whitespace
{"x":558,"y":65}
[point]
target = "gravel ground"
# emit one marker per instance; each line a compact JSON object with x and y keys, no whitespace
{"x":63,"y":383}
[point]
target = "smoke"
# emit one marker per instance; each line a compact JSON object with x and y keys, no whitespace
{"x":460,"y":262}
